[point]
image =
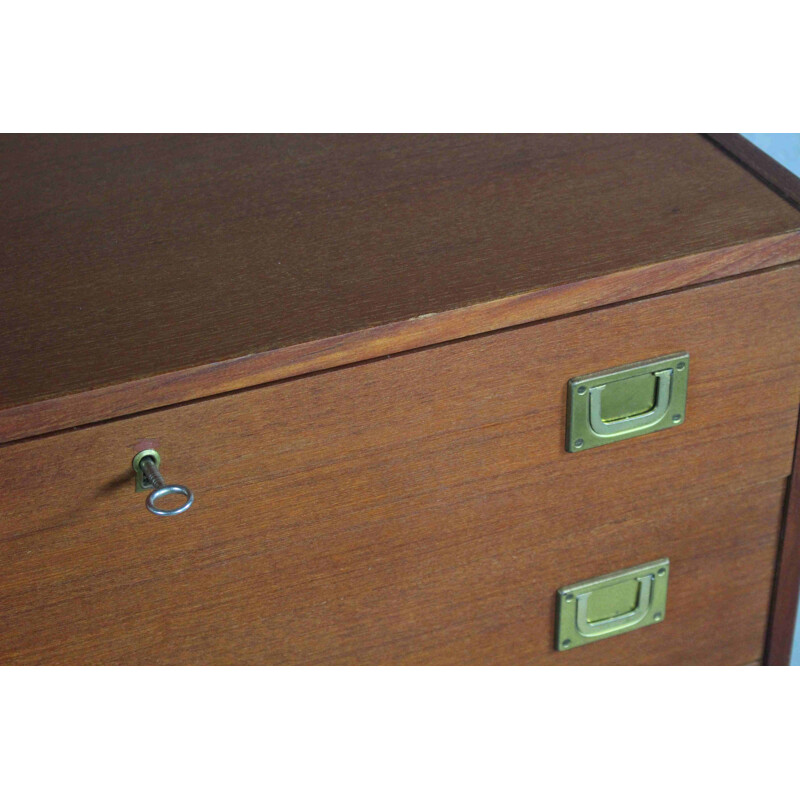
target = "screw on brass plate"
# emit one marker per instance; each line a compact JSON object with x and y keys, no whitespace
{"x":676,"y":417}
{"x":566,"y":643}
{"x":569,"y":598}
{"x":680,"y":365}
{"x":657,"y":616}
{"x":662,"y":572}
{"x":579,"y":443}
{"x":581,"y":390}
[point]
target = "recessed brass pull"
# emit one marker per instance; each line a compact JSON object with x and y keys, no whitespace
{"x":627,"y":401}
{"x":613,"y":624}
{"x":612,"y":604}
{"x":637,"y":422}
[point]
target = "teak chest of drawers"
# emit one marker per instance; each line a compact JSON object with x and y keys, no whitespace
{"x":356,"y":351}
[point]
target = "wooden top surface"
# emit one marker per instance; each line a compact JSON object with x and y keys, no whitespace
{"x":124,"y":257}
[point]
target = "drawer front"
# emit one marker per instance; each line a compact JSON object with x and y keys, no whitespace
{"x":422,"y":508}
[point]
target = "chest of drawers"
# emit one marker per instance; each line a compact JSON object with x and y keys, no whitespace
{"x":356,"y":352}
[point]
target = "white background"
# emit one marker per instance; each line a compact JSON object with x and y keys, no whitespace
{"x":405,"y":733}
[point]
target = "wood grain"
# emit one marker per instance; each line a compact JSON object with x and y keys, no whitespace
{"x":753,"y":158}
{"x":159,"y":391}
{"x":787,"y":574}
{"x":129,"y":257}
{"x":420,"y":509}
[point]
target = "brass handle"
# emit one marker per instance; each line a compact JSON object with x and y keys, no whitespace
{"x":614,"y":624}
{"x":612,"y":604}
{"x":638,"y":422}
{"x":146,"y":465}
{"x":638,"y":398}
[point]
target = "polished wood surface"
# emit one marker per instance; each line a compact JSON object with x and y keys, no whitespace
{"x":159,"y":391}
{"x":787,"y":575}
{"x":771,"y":172}
{"x":420,"y":509}
{"x":127,"y":257}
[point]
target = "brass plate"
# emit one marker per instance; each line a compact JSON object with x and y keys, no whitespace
{"x":627,"y":401}
{"x":612,"y":604}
